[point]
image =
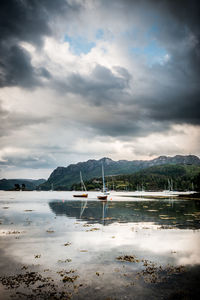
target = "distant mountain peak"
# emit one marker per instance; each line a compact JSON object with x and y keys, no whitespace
{"x":162,"y":157}
{"x":106,"y":160}
{"x":65,"y":177}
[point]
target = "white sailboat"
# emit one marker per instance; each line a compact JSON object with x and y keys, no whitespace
{"x":105,"y":193}
{"x":83,"y":188}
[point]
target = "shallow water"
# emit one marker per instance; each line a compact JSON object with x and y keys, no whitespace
{"x":56,"y":235}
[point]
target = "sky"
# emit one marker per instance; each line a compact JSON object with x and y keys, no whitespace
{"x":86,"y":79}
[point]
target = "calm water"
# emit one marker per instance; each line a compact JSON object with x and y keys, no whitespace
{"x":56,"y":235}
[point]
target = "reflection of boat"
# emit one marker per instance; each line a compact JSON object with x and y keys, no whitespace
{"x":105,"y":193}
{"x":135,"y":212}
{"x":83,"y":206}
{"x":105,"y":206}
{"x":83,"y":188}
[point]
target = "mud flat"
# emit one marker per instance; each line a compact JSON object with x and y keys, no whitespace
{"x":63,"y":248}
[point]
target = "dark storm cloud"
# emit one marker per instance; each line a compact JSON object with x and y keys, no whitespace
{"x":182,"y":108}
{"x":126,"y":122}
{"x":186,"y":11}
{"x":183,"y":38}
{"x":16,"y":68}
{"x":101,"y":86}
{"x":25,"y":21}
{"x":44,"y":72}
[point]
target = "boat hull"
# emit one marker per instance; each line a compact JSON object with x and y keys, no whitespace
{"x":81,"y":196}
{"x":102,"y":197}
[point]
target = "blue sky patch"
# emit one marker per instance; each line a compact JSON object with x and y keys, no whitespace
{"x":99,"y":34}
{"x":79,"y":44}
{"x":152,"y":52}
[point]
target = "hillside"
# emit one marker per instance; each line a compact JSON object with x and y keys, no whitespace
{"x":63,"y":178}
{"x":180,"y":177}
{"x":30,"y":184}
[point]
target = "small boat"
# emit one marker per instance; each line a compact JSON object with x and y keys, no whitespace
{"x":103,"y":197}
{"x":82,"y":195}
{"x":105,"y":193}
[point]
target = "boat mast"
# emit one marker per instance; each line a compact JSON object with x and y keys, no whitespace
{"x":82,"y":183}
{"x":104,"y":188}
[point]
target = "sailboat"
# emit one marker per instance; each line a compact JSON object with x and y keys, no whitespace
{"x":83,"y":188}
{"x":105,"y":193}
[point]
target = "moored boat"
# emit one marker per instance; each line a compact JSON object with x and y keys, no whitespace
{"x":103,"y":197}
{"x":105,"y":193}
{"x":83,"y":194}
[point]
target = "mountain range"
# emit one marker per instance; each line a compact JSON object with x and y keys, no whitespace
{"x":63,"y":178}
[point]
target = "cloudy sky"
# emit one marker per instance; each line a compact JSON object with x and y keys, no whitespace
{"x":83,"y":79}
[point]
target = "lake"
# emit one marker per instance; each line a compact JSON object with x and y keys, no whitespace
{"x":54,"y":246}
